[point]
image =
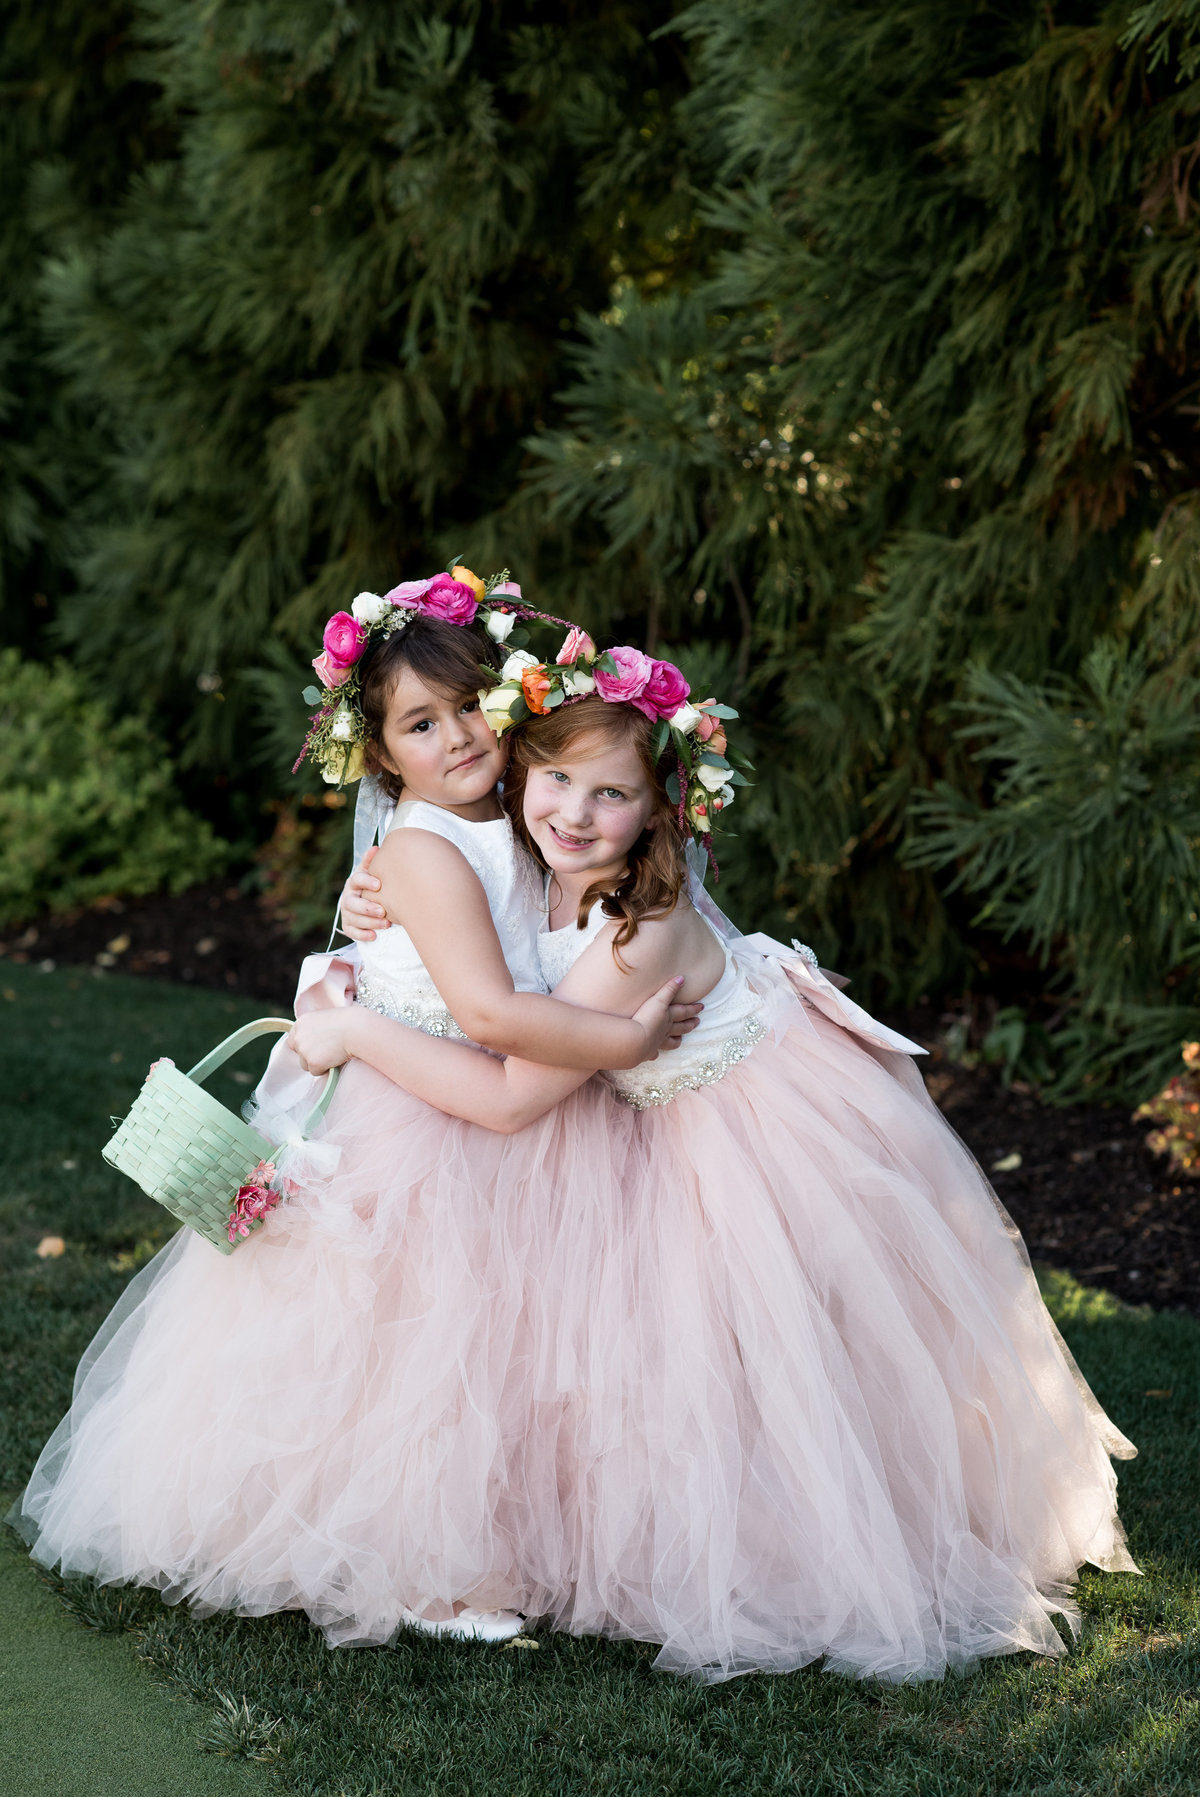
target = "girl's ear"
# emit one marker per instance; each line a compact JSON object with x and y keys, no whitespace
{"x":378,"y":757}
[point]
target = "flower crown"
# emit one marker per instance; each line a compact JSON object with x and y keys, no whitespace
{"x":702,"y":784}
{"x":336,"y":732}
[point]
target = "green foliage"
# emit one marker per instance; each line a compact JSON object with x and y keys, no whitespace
{"x":322,"y":331}
{"x":88,"y":803}
{"x":75,"y":123}
{"x":1089,"y":842}
{"x":932,"y":411}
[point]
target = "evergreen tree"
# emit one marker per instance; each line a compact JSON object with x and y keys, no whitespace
{"x":74,"y":123}
{"x":934,"y":410}
{"x":319,"y":336}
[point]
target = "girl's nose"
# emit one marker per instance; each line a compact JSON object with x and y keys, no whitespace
{"x":575,"y":808}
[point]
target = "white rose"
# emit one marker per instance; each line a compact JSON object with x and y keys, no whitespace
{"x":714,"y":778}
{"x":518,"y":661}
{"x":496,"y":703}
{"x":369,"y":608}
{"x":579,"y":684}
{"x":500,"y":624}
{"x":342,"y":728}
{"x":685,"y":719}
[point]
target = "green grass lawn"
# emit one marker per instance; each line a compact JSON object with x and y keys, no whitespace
{"x":560,"y":1718}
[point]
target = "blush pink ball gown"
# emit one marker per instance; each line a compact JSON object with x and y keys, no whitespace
{"x":837,"y":1418}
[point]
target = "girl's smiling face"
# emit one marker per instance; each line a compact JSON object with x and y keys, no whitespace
{"x":586,"y":810}
{"x":442,"y":747}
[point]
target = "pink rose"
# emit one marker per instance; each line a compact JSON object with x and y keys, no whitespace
{"x":711,"y":731}
{"x":665,"y":691}
{"x":578,"y":643}
{"x":329,"y":675}
{"x":449,"y":599}
{"x":629,"y":682}
{"x":344,"y":640}
{"x":409,"y":592}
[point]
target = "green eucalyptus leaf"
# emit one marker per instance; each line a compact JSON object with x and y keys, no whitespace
{"x":720,"y":711}
{"x":659,"y":740}
{"x":518,"y":711}
{"x":672,"y":788}
{"x":312,"y":695}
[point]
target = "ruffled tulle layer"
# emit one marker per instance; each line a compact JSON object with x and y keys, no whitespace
{"x":759,"y":1376}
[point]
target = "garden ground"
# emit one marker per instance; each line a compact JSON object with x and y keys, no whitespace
{"x":557,"y":1717}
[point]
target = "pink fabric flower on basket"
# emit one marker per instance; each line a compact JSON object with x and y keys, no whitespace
{"x":253,"y":1200}
{"x":629,"y":682}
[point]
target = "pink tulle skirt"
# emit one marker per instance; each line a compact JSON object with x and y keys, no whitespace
{"x":760,"y":1376}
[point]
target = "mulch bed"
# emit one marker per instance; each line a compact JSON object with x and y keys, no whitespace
{"x":1079,"y":1181}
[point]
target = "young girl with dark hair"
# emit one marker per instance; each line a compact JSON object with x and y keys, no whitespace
{"x":365,"y":1413}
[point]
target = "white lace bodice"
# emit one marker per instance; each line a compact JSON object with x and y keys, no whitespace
{"x":728,"y":1029}
{"x":393,"y":978}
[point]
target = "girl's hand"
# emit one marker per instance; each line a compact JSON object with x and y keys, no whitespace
{"x":361,"y":915}
{"x":665,"y":1021}
{"x":321,"y":1039}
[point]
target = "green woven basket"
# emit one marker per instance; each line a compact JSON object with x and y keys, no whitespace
{"x":187,"y":1151}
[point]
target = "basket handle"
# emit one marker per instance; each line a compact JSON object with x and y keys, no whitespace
{"x":262,"y":1026}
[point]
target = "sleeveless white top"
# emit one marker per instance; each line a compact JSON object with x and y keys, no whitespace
{"x":727,"y":1030}
{"x":393,"y":979}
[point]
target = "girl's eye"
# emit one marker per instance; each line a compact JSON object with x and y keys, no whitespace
{"x":610,"y":792}
{"x":422,"y":724}
{"x":555,"y":774}
{"x":471,"y":705}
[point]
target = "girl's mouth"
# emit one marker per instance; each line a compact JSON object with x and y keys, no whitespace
{"x":571,"y":842}
{"x":460,"y":766}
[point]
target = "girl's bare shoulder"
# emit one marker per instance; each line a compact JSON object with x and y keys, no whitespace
{"x":678,"y":942}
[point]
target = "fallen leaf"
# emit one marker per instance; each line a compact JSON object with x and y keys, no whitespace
{"x":50,"y":1247}
{"x":522,"y":1641}
{"x":118,"y":945}
{"x":1156,"y":1392}
{"x":1008,"y":1164}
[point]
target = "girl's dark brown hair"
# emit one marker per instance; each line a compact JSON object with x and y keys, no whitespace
{"x":656,"y":870}
{"x":445,"y":656}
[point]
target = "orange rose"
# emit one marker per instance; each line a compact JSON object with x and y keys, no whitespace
{"x":535,"y":684}
{"x":465,"y":577}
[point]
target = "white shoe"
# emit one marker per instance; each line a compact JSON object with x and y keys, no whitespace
{"x":469,"y":1625}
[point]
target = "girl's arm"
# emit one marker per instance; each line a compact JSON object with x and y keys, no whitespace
{"x":427,"y":885}
{"x":507,"y":1095}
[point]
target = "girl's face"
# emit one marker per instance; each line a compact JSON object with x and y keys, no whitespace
{"x":442,"y":748}
{"x":586,"y":811}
